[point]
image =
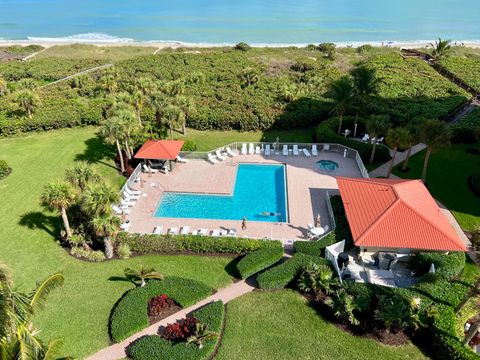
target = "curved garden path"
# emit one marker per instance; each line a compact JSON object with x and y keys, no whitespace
{"x":117,"y":351}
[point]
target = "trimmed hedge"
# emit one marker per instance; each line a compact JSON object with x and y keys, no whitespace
{"x":130,"y":313}
{"x":155,"y":347}
{"x":445,"y":265}
{"x":463,"y":131}
{"x":316,"y":247}
{"x":257,"y":261}
{"x":327,"y":133}
{"x":149,"y":243}
{"x":283,"y":274}
{"x":5,"y":170}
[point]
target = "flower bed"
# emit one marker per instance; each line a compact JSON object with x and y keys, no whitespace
{"x":257,"y":261}
{"x":156,"y":347}
{"x":160,"y":307}
{"x":130,"y":314}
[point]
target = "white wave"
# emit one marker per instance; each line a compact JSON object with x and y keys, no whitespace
{"x":94,"y":38}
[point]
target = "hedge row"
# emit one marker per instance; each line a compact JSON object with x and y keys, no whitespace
{"x":463,"y":131}
{"x":149,"y":243}
{"x":155,"y":347}
{"x":257,"y":261}
{"x":130,"y":313}
{"x":283,"y":274}
{"x":445,"y":265}
{"x":327,"y":133}
{"x":316,"y":247}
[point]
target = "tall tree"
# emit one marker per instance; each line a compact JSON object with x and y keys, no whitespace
{"x":187,"y":106}
{"x":440,"y":49}
{"x":376,"y":126}
{"x":341,"y":92}
{"x":365,"y":82}
{"x":81,"y":174}
{"x":60,"y":196}
{"x":97,"y":199}
{"x":396,"y":139}
{"x":172,"y":116}
{"x":109,"y":81}
{"x":435,"y":134}
{"x":27,"y":100}
{"x":413,"y":138}
{"x":106,"y":225}
{"x":113,"y":130}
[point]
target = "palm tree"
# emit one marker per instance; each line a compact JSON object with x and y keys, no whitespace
{"x":343,"y":306}
{"x":127,"y":121}
{"x":316,"y":278}
{"x":341,"y":92}
{"x":365,"y":81}
{"x":106,"y":226}
{"x":97,"y":198}
{"x":376,"y":126}
{"x":441,"y":48}
{"x":108,"y":81}
{"x":187,"y":106}
{"x":173,"y":116}
{"x":142,"y":274}
{"x":27,"y":100}
{"x":201,"y":335}
{"x":395,"y":139}
{"x":60,"y":196}
{"x":113,"y":131}
{"x":81,"y":174}
{"x":18,"y":337}
{"x":435,"y":134}
{"x":413,"y":138}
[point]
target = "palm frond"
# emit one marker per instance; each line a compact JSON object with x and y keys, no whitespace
{"x":44,"y":288}
{"x":52,"y":350}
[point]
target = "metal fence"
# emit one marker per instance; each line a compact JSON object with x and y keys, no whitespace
{"x":132,"y":178}
{"x":277,"y":149}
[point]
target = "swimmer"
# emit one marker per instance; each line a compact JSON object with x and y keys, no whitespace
{"x":266,"y":213}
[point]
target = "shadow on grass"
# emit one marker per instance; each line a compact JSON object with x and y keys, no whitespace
{"x":97,"y":151}
{"x":231,"y":267}
{"x":38,"y":220}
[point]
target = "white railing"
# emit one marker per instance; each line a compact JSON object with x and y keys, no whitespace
{"x":277,"y":148}
{"x":132,"y":178}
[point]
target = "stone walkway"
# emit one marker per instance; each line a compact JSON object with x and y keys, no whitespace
{"x":117,"y":351}
{"x":382,"y":170}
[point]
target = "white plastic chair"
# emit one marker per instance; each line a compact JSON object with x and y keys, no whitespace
{"x":267,"y":150}
{"x":314,"y":150}
{"x":295,"y":150}
{"x":306,"y":152}
{"x":244,"y":149}
{"x":219,"y":155}
{"x":230,"y":152}
{"x":212,"y":159}
{"x":251,"y":149}
{"x":285,"y":150}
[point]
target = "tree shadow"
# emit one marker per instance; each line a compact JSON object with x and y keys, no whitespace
{"x":121,"y":279}
{"x":38,"y":220}
{"x":97,"y":151}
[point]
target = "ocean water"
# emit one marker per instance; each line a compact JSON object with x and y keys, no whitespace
{"x":258,"y":189}
{"x":231,"y":21}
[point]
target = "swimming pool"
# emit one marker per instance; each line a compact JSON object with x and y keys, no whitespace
{"x":258,"y":189}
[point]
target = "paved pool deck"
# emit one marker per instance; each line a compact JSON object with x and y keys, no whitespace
{"x":307,"y":188}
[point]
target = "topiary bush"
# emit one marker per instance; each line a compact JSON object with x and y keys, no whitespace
{"x":281,"y":275}
{"x":257,"y":261}
{"x":130,"y":313}
{"x":155,"y":347}
{"x":149,"y":243}
{"x":5,"y":170}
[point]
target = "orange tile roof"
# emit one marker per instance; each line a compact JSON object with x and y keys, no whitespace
{"x":396,"y":214}
{"x":160,"y":150}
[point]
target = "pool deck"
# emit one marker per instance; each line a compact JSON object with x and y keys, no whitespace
{"x":306,"y":190}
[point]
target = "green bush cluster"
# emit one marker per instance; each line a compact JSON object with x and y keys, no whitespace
{"x":327,"y":133}
{"x":463,"y":131}
{"x":447,"y":265}
{"x":155,"y":347}
{"x":315,"y":247}
{"x":149,"y":243}
{"x":90,"y":255}
{"x":257,"y":261}
{"x":466,"y":68}
{"x":281,"y":275}
{"x":4,"y":169}
{"x":130,"y":313}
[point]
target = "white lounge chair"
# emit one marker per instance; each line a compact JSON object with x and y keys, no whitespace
{"x":314,"y":150}
{"x":185,"y":230}
{"x":181,"y":160}
{"x":267,"y":150}
{"x":125,"y":226}
{"x":127,"y":203}
{"x":365,"y":138}
{"x":130,"y":196}
{"x":158,"y":230}
{"x":326,"y":147}
{"x":232,"y":232}
{"x":149,"y":169}
{"x":223,"y":232}
{"x":306,"y":152}
{"x":173,"y":231}
{"x":230,"y":152}
{"x":285,"y":150}
{"x":202,"y":232}
{"x":131,"y":191}
{"x":251,"y":149}
{"x":244,"y":149}
{"x":257,"y":150}
{"x":295,"y":150}
{"x":380,"y":140}
{"x":120,"y":211}
{"x":215,"y":232}
{"x":219,"y":155}
{"x":212,"y":159}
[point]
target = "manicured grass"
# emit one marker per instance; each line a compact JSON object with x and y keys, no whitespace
{"x":209,"y":140}
{"x":78,"y":312}
{"x":447,"y":176}
{"x":281,"y":325}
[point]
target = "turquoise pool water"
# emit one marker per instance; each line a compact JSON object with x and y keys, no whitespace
{"x":327,"y":165}
{"x":258,"y":189}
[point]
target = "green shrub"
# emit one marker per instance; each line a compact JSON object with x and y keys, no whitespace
{"x":130,"y":313}
{"x":316,"y":247}
{"x":95,"y":256}
{"x":281,"y":275}
{"x":364,"y":49}
{"x":242,"y":46}
{"x":327,"y":133}
{"x":4,"y":169}
{"x":155,"y":347}
{"x":189,"y":145}
{"x":447,"y":265}
{"x":123,"y":251}
{"x":463,"y":131}
{"x":149,"y":243}
{"x":257,"y":261}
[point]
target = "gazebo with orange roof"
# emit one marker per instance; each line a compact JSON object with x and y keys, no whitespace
{"x":160,"y":150}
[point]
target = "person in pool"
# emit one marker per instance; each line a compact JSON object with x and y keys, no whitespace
{"x":267,"y":213}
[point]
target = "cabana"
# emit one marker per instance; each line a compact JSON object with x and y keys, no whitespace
{"x":160,"y":153}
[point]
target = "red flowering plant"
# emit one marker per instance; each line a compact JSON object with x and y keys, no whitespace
{"x":180,"y":331}
{"x":158,"y":304}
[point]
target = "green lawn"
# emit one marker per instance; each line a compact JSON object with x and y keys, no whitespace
{"x":209,"y":140}
{"x":447,"y":176}
{"x":79,"y":311}
{"x":281,"y":325}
